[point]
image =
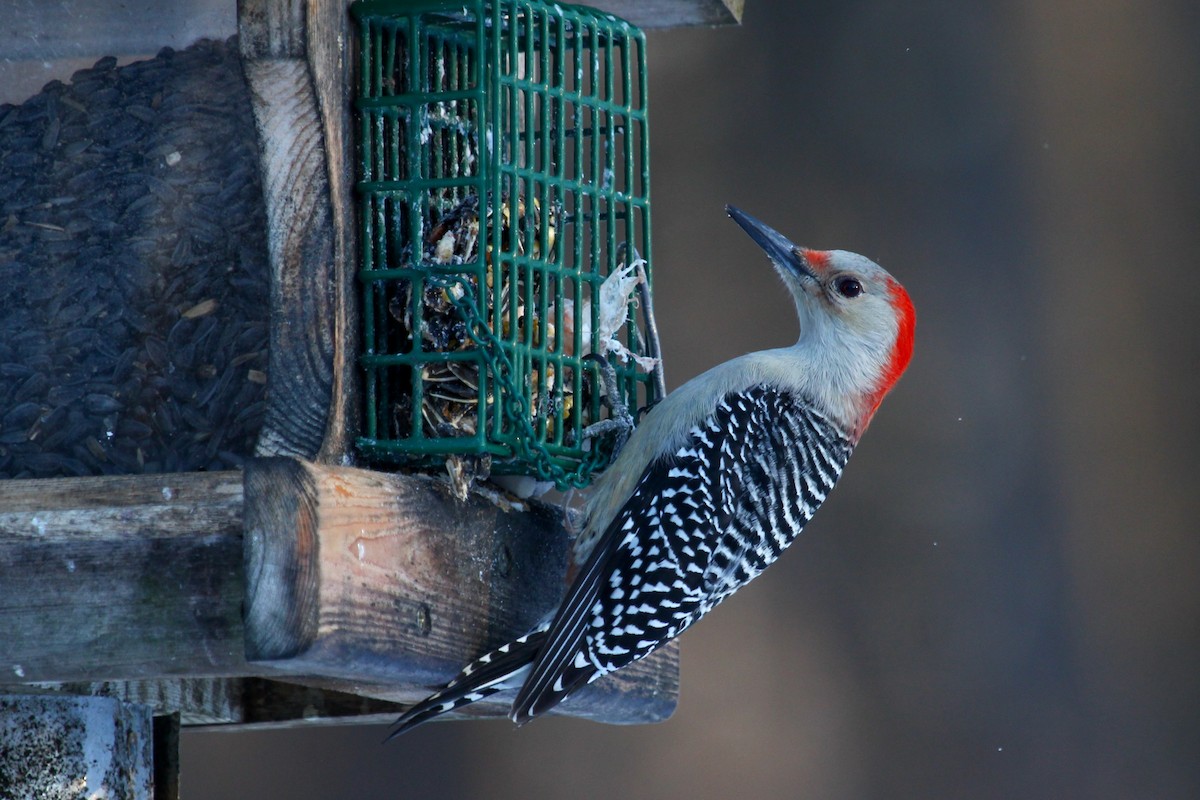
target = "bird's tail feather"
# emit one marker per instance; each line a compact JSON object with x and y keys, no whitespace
{"x":502,"y":669}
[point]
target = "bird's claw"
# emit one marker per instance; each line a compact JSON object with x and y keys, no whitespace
{"x":620,"y":422}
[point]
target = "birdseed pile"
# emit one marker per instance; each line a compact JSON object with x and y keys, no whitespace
{"x":133,"y":315}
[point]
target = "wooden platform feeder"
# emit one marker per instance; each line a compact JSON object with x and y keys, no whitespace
{"x":159,"y":586}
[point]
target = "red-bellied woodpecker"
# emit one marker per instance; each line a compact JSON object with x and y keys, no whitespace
{"x":713,"y":485}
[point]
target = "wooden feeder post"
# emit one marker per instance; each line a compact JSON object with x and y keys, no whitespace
{"x":296,"y":591}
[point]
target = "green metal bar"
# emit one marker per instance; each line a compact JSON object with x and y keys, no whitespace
{"x":595,"y":204}
{"x":405,"y":188}
{"x":549,"y":390}
{"x":414,"y":100}
{"x":491,"y":126}
{"x":575,"y":97}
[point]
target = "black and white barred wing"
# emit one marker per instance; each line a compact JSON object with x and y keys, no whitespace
{"x":698,"y":526}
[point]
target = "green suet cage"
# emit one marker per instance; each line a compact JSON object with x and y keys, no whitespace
{"x":504,"y":199}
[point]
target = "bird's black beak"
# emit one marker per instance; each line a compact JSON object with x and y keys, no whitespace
{"x":777,"y":246}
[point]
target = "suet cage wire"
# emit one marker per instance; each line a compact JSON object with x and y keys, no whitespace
{"x":505,"y":178}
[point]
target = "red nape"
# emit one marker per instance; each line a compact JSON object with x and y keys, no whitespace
{"x":902,"y":350}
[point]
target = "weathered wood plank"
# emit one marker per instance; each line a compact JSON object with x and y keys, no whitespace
{"x":230,"y":703}
{"x":300,"y":237}
{"x":357,"y":582}
{"x":332,"y":66}
{"x":196,"y":701}
{"x":282,"y":704}
{"x":674,"y":13}
{"x":121,"y":577}
{"x":390,"y":584}
{"x":269,"y":29}
{"x":282,"y":560}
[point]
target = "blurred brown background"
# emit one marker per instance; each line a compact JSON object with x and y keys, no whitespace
{"x":1000,"y":599}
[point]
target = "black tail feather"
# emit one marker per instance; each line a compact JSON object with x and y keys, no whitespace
{"x":500,"y":670}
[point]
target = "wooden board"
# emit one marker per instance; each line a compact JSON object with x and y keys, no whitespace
{"x":674,"y":13}
{"x":300,"y":238}
{"x":121,"y":577}
{"x":354,"y":582}
{"x":230,"y":703}
{"x":388,"y":582}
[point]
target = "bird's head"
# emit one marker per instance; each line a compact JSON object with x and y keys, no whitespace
{"x":856,"y":322}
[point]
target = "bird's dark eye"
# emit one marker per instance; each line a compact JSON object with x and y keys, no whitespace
{"x":848,"y":287}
